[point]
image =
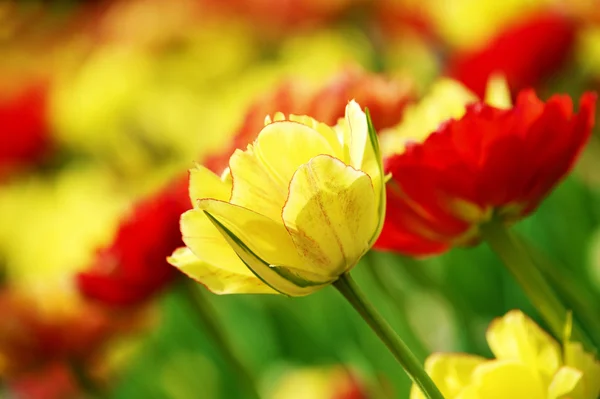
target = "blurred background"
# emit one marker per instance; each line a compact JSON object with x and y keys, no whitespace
{"x":105,"y":105}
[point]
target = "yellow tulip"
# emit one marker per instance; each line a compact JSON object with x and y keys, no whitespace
{"x":529,"y":364}
{"x":291,"y":214}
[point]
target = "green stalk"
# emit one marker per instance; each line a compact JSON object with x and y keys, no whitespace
{"x":397,"y":298}
{"x":85,"y":382}
{"x":207,"y":317}
{"x":347,"y":287}
{"x":578,"y":298}
{"x":461,"y":309}
{"x":540,"y":293}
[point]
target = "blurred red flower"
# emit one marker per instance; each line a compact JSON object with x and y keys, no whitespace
{"x":385,"y":98}
{"x":349,"y":388}
{"x":490,"y":163}
{"x":24,"y":131}
{"x":55,"y":382}
{"x":134,"y":268}
{"x":525,"y":53}
{"x":33,"y":339}
{"x":282,"y":16}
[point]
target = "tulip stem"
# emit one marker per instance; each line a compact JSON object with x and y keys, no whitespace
{"x":348,"y":288}
{"x":528,"y":276}
{"x":579,"y":298}
{"x":207,"y":317}
{"x":85,"y":382}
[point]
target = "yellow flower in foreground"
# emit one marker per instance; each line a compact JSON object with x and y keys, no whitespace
{"x":291,"y":214}
{"x":529,"y":364}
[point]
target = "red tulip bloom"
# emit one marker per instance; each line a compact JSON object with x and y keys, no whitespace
{"x":34,"y":338}
{"x":525,"y":54}
{"x":53,"y":382}
{"x":491,"y":163}
{"x":134,"y":267}
{"x":24,"y":135}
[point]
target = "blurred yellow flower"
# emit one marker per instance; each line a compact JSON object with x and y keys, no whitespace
{"x":292,"y":213}
{"x":447,"y":99}
{"x":471,"y":23}
{"x":324,"y":382}
{"x":529,"y":364}
{"x":51,"y":228}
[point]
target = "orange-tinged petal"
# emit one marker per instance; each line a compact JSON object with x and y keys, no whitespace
{"x":331,"y":214}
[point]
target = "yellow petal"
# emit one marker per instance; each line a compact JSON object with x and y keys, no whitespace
{"x":205,"y":184}
{"x":576,"y":357}
{"x":356,"y":124}
{"x":284,"y":146}
{"x":447,"y":99}
{"x":264,"y":246}
{"x":326,"y":131}
{"x":207,"y":243}
{"x":254,"y":187}
{"x":502,"y":380}
{"x":450,"y":372}
{"x":331,"y":214}
{"x":516,"y":337}
{"x":497,"y":93}
{"x":215,"y":279}
{"x":373,"y":166}
{"x":564,"y":382}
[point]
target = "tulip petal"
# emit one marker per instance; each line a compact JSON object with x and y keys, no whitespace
{"x":298,"y":142}
{"x":578,"y":358}
{"x":516,"y":337}
{"x":497,"y":92}
{"x":330,"y":214}
{"x":356,"y":123}
{"x":270,"y":255}
{"x":373,"y":166}
{"x":207,"y":243}
{"x":450,"y":372}
{"x":326,"y":131}
{"x":564,"y":382}
{"x":205,"y":184}
{"x":254,"y":187}
{"x":499,"y":379}
{"x":217,"y":280}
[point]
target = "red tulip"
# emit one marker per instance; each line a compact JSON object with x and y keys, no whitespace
{"x":525,"y":54}
{"x":24,"y":135}
{"x":134,"y":267}
{"x":491,"y":163}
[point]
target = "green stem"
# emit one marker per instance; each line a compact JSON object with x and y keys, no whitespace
{"x":397,"y":298}
{"x":540,"y":293}
{"x":346,"y":286}
{"x":583,"y":302}
{"x":85,"y":382}
{"x":207,"y":317}
{"x":465,"y":316}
